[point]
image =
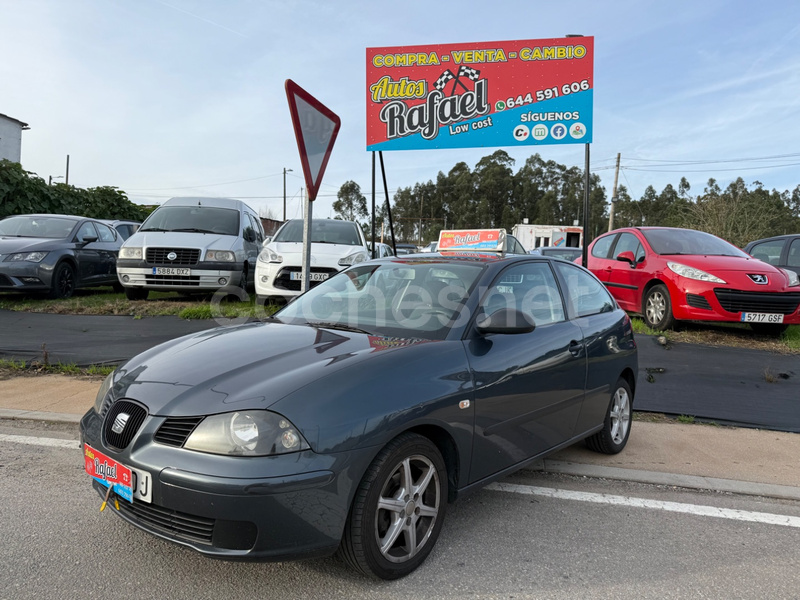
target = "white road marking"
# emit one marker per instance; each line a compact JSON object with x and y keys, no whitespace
{"x":690,"y":509}
{"x":37,"y":441}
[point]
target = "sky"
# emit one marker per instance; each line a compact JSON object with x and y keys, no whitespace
{"x":186,"y":97}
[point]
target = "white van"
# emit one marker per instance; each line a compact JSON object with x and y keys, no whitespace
{"x":192,"y":245}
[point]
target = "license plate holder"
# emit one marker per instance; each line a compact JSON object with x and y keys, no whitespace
{"x":298,"y":275}
{"x":171,"y":271}
{"x":128,"y":483}
{"x":754,"y":317}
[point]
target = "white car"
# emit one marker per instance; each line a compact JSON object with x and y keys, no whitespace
{"x":335,"y":245}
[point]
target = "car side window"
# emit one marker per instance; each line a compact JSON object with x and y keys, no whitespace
{"x":106,"y":233}
{"x":602,"y":246}
{"x":584,"y":292}
{"x":86,"y":230}
{"x":628,"y":242}
{"x":530,"y":288}
{"x":794,"y":254}
{"x":769,"y":252}
{"x":256,"y":224}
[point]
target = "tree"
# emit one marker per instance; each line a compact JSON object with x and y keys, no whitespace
{"x":350,"y":204}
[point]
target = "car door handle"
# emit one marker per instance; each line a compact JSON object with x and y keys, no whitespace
{"x":576,"y":348}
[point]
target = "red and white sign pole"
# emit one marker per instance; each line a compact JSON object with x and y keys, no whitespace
{"x":315,"y":128}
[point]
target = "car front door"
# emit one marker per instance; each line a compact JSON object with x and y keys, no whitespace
{"x":529,"y":387}
{"x":625,"y":279}
{"x":89,"y":255}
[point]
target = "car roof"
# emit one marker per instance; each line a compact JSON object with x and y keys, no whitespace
{"x":210,"y":201}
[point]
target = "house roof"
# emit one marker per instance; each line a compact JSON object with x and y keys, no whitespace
{"x":24,"y":125}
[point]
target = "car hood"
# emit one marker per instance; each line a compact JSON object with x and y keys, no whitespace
{"x":11,"y":245}
{"x":242,"y":367}
{"x":180,"y":239}
{"x":292,"y":251}
{"x":736,"y":270}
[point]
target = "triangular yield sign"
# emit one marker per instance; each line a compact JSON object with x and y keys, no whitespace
{"x":316,"y":128}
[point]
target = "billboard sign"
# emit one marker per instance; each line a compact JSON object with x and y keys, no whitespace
{"x":513,"y":93}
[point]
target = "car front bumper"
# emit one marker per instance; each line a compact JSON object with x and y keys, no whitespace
{"x":23,"y":276}
{"x":700,"y":301}
{"x":280,"y":279}
{"x":200,"y":277}
{"x":227,"y":507}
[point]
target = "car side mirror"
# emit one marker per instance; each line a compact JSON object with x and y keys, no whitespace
{"x":627,"y":257}
{"x":88,"y":239}
{"x":249,"y":235}
{"x":505,"y":320}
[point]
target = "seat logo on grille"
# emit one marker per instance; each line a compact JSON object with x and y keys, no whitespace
{"x":172,"y":256}
{"x":120,"y":422}
{"x":758,"y":278}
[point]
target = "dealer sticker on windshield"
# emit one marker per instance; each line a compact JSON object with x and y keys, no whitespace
{"x":761,"y":318}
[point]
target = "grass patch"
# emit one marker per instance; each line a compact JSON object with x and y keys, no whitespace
{"x":685,"y":419}
{"x":16,"y":368}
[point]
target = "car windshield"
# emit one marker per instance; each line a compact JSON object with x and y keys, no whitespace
{"x":37,"y":227}
{"x":323,"y":231}
{"x":197,"y":219}
{"x":409,"y":300}
{"x":688,"y":241}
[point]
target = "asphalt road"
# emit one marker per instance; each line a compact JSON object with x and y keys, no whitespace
{"x":550,"y":537}
{"x":736,"y":386}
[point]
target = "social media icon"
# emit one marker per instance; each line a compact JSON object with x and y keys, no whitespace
{"x":521,"y":133}
{"x":540,"y":132}
{"x":577,"y":130}
{"x":558,"y":131}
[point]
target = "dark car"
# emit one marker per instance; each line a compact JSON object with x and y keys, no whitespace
{"x":779,"y":251}
{"x":564,"y":252}
{"x":351,"y":419}
{"x":56,"y":254}
{"x":405,"y":249}
{"x":671,"y":274}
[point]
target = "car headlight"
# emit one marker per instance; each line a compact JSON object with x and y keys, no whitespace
{"x":220,"y":255}
{"x":353,"y":259}
{"x":794,"y":278}
{"x":130,"y":252}
{"x":268,"y":255}
{"x":692,"y":273}
{"x":105,"y":389}
{"x":246,"y":433}
{"x":27,"y":257}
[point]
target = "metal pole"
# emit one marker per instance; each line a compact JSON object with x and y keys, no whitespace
{"x":306,"y":274}
{"x":388,"y":204}
{"x":613,"y":197}
{"x":67,"y":180}
{"x":585,"y":262}
{"x":284,"y":194}
{"x":373,"y":205}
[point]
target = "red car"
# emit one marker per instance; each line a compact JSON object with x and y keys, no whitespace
{"x":668,"y":275}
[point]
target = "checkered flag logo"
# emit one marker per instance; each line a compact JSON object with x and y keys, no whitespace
{"x":466,"y":71}
{"x":443,"y":79}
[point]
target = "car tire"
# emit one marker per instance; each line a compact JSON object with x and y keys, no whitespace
{"x":770,"y":329}
{"x":657,"y":308}
{"x":135,"y":293}
{"x":613,"y":437}
{"x":63,"y":281}
{"x":386,"y":516}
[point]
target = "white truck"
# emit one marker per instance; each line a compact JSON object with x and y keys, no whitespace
{"x":535,"y":236}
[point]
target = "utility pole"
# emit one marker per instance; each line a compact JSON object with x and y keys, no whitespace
{"x":421,"y":198}
{"x":67,"y":179}
{"x":613,"y":197}
{"x":285,"y":170}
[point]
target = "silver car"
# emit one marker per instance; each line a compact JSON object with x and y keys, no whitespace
{"x":192,"y":245}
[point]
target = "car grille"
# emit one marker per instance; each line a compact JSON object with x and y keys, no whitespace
{"x":136,"y":416}
{"x":177,"y":524}
{"x":766,"y":302}
{"x":174,"y":432}
{"x":696,"y":301}
{"x":283,"y":281}
{"x":186,"y":256}
{"x":173,"y":279}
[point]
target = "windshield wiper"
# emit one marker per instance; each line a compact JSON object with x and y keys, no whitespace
{"x":339,"y":326}
{"x":194,"y":230}
{"x":154,"y":229}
